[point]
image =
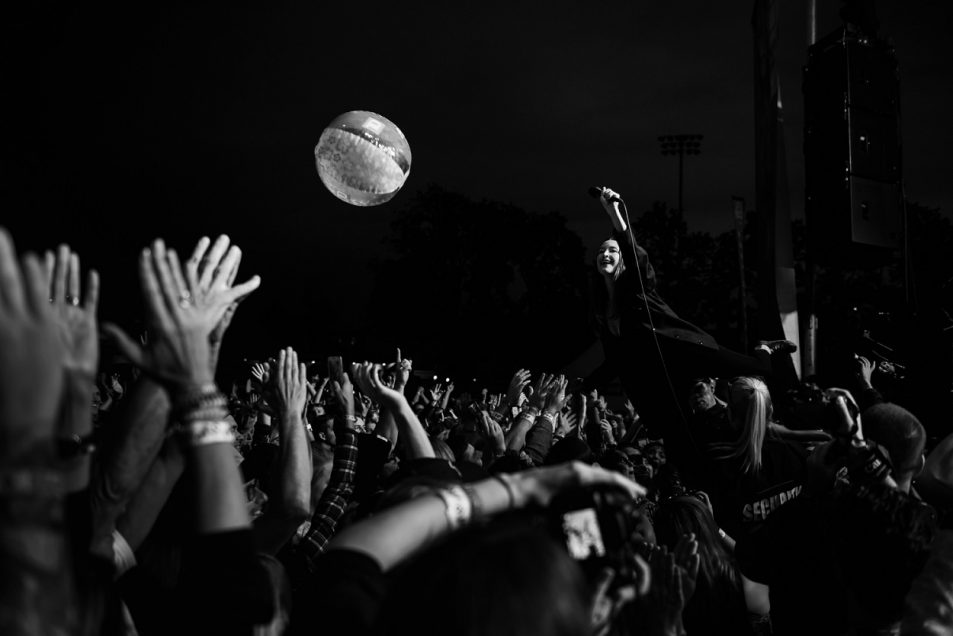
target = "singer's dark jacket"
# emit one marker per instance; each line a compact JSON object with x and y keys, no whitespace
{"x":648,"y":326}
{"x":634,"y":347}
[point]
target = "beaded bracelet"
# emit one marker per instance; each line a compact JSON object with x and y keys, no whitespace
{"x":458,"y":504}
{"x":192,"y":401}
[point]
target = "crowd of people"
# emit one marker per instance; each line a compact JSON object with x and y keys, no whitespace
{"x":359,"y":498}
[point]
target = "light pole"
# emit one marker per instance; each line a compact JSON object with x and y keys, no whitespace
{"x":681,"y":145}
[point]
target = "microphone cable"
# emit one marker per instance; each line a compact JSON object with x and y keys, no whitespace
{"x":645,"y":301}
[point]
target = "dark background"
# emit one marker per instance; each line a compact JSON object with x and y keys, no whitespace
{"x":123,"y":124}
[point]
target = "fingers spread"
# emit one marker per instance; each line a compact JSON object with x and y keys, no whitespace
{"x":155,"y":301}
{"x":211,"y":262}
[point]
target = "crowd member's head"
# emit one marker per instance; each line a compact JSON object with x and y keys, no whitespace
{"x":569,"y":449}
{"x":642,"y":471}
{"x":609,"y":261}
{"x":442,"y":450}
{"x":702,"y":395}
{"x":901,"y":435}
{"x":654,"y":454}
{"x":749,"y":404}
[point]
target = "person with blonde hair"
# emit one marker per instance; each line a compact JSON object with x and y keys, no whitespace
{"x":752,"y":471}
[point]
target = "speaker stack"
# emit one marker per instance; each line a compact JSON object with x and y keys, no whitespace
{"x":852,"y":149}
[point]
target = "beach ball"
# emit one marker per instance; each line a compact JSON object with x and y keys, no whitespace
{"x":362,"y":158}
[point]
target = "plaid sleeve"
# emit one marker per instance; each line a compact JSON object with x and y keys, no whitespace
{"x":334,"y":499}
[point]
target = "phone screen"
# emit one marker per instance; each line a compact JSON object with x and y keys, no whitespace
{"x":583,"y":536}
{"x":335,"y":368}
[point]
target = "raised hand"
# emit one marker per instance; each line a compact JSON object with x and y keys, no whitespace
{"x":555,"y":395}
{"x":866,"y":369}
{"x":541,"y":389}
{"x":178,"y":355}
{"x":367,"y":376}
{"x":565,"y":422}
{"x":290,"y":385}
{"x":75,"y":316}
{"x":402,"y":375}
{"x":209,"y":283}
{"x":319,"y":388}
{"x":517,"y":383}
{"x":492,"y":433}
{"x":344,"y":398}
{"x":31,"y":358}
{"x":261,"y":372}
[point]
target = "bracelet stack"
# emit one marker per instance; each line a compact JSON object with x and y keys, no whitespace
{"x":200,"y":403}
{"x":202,"y":415}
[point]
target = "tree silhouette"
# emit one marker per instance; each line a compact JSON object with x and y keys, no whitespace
{"x":481,"y":286}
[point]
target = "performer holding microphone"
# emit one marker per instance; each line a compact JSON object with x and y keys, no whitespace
{"x":655,"y":353}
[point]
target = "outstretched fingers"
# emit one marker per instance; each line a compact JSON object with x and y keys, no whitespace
{"x":192,"y":265}
{"x":11,"y":283}
{"x":210,"y":263}
{"x":154,"y":297}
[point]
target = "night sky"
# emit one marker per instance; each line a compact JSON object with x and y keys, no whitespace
{"x":126,"y":124}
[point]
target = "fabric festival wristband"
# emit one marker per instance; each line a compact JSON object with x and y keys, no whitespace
{"x":549,"y":417}
{"x":459,"y":508}
{"x":207,"y":432}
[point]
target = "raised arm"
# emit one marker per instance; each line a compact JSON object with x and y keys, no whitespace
{"x":35,"y":568}
{"x":416,"y":442}
{"x":204,"y":287}
{"x":179,"y":358}
{"x":291,"y":505}
{"x":540,"y":438}
{"x":397,"y":533}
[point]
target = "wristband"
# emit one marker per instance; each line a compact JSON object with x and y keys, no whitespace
{"x":201,"y":433}
{"x":549,"y":417}
{"x":529,"y":414}
{"x":458,"y":504}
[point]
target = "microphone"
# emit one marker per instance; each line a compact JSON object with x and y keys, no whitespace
{"x":597,"y":192}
